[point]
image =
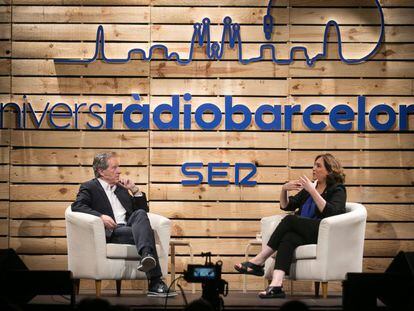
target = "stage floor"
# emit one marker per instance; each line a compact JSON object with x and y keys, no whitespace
{"x":234,"y":301}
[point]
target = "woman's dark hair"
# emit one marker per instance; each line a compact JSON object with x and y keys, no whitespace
{"x":335,"y":171}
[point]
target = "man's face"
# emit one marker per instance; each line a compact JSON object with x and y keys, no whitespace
{"x":112,"y":172}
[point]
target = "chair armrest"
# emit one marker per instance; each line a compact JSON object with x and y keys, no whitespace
{"x":162,"y":228}
{"x":341,"y":241}
{"x":268,"y":225}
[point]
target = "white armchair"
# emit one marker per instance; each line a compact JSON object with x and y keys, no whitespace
{"x":90,"y":257}
{"x":339,"y":249}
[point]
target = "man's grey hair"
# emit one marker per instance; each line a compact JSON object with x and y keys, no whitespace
{"x":100,"y":161}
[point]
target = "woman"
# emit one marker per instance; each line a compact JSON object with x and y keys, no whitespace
{"x":316,"y":200}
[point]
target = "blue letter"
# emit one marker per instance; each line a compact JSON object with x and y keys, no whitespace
{"x":404,"y":112}
{"x":187,"y":172}
{"x":94,"y":114}
{"x":110,"y":110}
{"x":361,"y":113}
{"x":60,"y":114}
{"x":246,"y":180}
{"x":307,"y":117}
{"x":175,"y":115}
{"x":211,"y":173}
{"x":37,"y":123}
{"x":229,"y":110}
{"x":289,"y":111}
{"x":76,"y":113}
{"x":18,"y":115}
{"x":187,"y":112}
{"x":276,"y":124}
{"x":382,"y":126}
{"x":208,"y":125}
{"x":141,"y":125}
{"x":334,"y":117}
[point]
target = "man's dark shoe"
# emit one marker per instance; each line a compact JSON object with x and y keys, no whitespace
{"x":158,"y":288}
{"x":147,"y":262}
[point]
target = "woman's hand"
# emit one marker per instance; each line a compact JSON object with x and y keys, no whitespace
{"x":307,"y":184}
{"x":292,"y":185}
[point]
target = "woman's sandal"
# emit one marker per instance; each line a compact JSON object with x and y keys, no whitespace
{"x":273,"y":292}
{"x":250,"y":268}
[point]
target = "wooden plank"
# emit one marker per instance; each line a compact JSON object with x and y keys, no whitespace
{"x":4,"y":172}
{"x":383,"y":230}
{"x":218,"y":139}
{"x":5,"y":14}
{"x":135,"y":157}
{"x":45,"y":262}
{"x":350,"y":141}
{"x":351,"y":87}
{"x":222,"y":69}
{"x":78,"y":32}
{"x":55,"y":85}
{"x":82,"y":2}
{"x":258,"y":157}
{"x":4,"y":227}
{"x":4,"y":139}
{"x":249,"y":33}
{"x":5,"y":32}
{"x":387,"y":248}
{"x":4,"y":242}
{"x":165,"y":192}
{"x":4,"y":209}
{"x":294,"y":3}
{"x":4,"y":191}
{"x":39,"y":245}
{"x":5,"y":84}
{"x":263,"y":174}
{"x":368,"y":194}
{"x":390,"y":212}
{"x":221,"y":210}
{"x":355,"y":158}
{"x":5,"y":49}
{"x":191,"y":15}
{"x":47,"y":192}
{"x":367,"y":176}
{"x":35,"y":67}
{"x":35,"y":210}
{"x":5,"y":66}
{"x":223,"y":87}
{"x":343,"y":16}
{"x":339,"y":69}
{"x":4,"y":154}
{"x":80,"y":139}
{"x":78,"y":14}
{"x":65,"y":174}
{"x":38,"y":228}
{"x":312,"y":33}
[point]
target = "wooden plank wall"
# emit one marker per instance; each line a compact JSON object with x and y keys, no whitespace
{"x":40,"y":169}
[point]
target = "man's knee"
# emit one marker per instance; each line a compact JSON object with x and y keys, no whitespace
{"x":139,"y":214}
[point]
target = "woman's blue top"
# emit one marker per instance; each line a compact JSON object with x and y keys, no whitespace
{"x":308,"y":208}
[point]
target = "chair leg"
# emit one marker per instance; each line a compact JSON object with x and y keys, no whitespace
{"x":118,"y":287}
{"x":317,"y":284}
{"x":77,"y":285}
{"x":325,"y":289}
{"x":98,"y":284}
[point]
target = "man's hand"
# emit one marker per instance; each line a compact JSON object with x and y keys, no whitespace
{"x":129,"y":185}
{"x":109,"y":223}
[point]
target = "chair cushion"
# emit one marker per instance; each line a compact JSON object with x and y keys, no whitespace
{"x":305,"y":252}
{"x":121,"y":251}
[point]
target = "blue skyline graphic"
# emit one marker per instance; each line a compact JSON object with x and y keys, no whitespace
{"x":231,"y":32}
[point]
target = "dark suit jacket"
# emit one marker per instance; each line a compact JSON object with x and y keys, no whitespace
{"x":335,"y":197}
{"x":92,"y":199}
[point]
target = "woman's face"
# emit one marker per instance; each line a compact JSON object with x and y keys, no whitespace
{"x":319,"y":170}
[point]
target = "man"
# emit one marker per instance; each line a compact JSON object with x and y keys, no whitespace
{"x":123,"y":215}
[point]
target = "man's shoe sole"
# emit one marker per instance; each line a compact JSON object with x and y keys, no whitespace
{"x":147,"y":263}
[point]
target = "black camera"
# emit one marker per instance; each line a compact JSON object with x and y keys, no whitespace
{"x":209,"y":275}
